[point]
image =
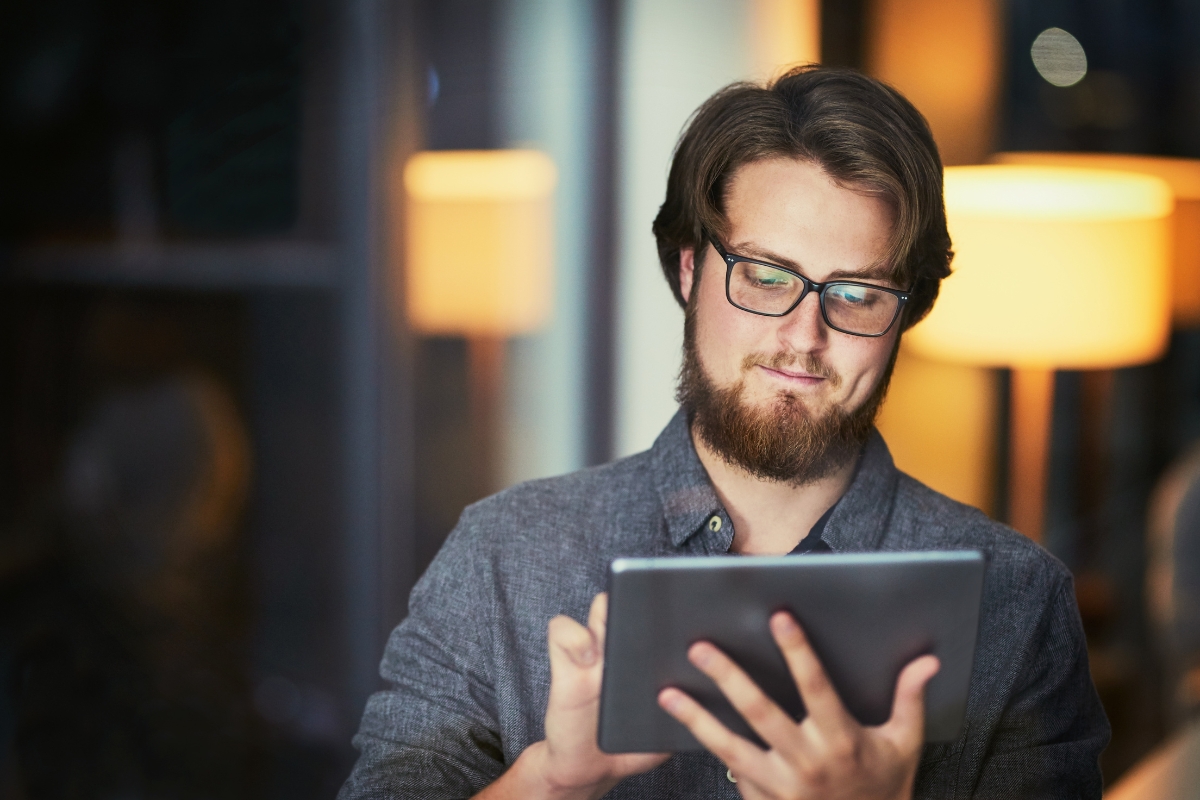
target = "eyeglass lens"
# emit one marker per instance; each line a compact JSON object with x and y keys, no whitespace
{"x":851,"y":307}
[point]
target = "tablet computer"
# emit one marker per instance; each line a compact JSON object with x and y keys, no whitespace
{"x":866,"y":614}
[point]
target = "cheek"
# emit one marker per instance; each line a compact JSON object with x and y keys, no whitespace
{"x":720,"y":331}
{"x":733,"y":328}
{"x":870,"y":360}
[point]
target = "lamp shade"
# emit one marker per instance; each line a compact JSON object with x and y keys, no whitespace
{"x":1183,"y":174}
{"x":479,"y":241}
{"x":1054,"y":268}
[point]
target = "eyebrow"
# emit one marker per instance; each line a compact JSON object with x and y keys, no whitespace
{"x":878,"y":272}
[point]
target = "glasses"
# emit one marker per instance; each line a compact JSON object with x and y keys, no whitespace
{"x":859,"y":309}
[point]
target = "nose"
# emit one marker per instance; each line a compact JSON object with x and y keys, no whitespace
{"x":804,"y":329}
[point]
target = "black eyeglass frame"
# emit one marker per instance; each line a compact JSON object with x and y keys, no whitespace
{"x":809,"y":286}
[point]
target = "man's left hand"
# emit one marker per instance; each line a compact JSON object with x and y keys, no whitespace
{"x":826,"y":755}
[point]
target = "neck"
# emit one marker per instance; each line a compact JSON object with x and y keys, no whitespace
{"x":770,"y":517}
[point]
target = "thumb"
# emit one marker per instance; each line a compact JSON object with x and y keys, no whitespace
{"x":907,"y":723}
{"x":598,"y":619}
{"x":574,"y":658}
{"x":572,"y":646}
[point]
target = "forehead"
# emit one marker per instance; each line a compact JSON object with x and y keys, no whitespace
{"x":793,"y":210}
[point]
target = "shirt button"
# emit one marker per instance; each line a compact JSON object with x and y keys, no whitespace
{"x":729,"y":774}
{"x":714,"y":524}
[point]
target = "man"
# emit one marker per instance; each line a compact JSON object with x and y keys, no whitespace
{"x":803,"y":230}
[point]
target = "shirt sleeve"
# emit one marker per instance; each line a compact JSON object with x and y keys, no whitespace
{"x":433,"y":734}
{"x":1051,"y":733}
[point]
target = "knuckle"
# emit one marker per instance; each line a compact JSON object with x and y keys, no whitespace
{"x":845,"y":748}
{"x":813,"y":774}
{"x":757,"y":707}
{"x":816,"y":682}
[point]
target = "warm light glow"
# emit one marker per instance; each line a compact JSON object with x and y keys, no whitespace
{"x":1054,"y":267}
{"x":480,"y":175}
{"x":946,"y":58}
{"x":939,"y":423}
{"x":784,"y":33}
{"x":479,"y":241}
{"x":1183,"y":175}
{"x":1059,"y":57}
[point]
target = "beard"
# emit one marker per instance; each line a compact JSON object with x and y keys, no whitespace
{"x":782,"y":441}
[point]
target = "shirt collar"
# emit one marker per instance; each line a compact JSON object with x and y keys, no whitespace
{"x":860,"y":519}
{"x":689,"y":501}
{"x":687,"y":495}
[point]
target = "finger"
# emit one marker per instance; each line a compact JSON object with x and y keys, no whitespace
{"x":739,"y":755}
{"x":598,"y":619}
{"x":825,"y":708}
{"x":571,"y":641}
{"x":907,"y":724}
{"x":574,"y":665}
{"x":767,"y":719}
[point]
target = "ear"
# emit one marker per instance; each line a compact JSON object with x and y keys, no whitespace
{"x":687,"y":272}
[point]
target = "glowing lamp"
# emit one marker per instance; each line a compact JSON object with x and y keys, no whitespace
{"x":1183,"y":175}
{"x":479,"y":263}
{"x":1054,"y":268}
{"x":479,"y":241}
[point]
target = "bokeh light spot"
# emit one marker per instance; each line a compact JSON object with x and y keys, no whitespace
{"x":1059,"y":57}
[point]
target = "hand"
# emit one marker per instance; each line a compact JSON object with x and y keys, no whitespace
{"x":569,"y":762}
{"x":828,"y":754}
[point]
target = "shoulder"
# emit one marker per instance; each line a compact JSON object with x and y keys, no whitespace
{"x":564,"y":506}
{"x":926,"y":519}
{"x":543,"y":541}
{"x":1028,"y":607}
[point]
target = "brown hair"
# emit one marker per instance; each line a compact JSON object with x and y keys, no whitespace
{"x":863,"y":133}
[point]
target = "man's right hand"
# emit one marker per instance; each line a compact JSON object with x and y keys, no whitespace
{"x":569,"y":764}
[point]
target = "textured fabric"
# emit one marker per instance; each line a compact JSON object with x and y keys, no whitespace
{"x":813,"y":543}
{"x":469,"y":670}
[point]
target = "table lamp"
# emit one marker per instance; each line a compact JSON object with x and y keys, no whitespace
{"x":1054,"y":268}
{"x":1183,"y":175}
{"x":479,"y":260}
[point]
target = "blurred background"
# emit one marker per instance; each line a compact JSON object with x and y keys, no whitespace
{"x":234,"y":428}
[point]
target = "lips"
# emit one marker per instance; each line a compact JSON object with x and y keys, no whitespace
{"x":793,"y":366}
{"x":791,"y":374}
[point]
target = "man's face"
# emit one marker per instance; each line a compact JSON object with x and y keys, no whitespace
{"x":793,"y":372}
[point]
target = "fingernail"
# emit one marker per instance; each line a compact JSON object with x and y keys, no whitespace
{"x":784,"y":623}
{"x":700,"y":655}
{"x":586,"y":657}
{"x":668,"y":699}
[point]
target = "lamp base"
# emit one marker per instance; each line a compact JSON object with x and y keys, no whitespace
{"x":1032,"y":404}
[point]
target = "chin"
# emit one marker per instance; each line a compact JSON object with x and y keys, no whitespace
{"x":784,"y":402}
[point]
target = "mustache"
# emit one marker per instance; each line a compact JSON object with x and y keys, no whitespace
{"x":808,"y":362}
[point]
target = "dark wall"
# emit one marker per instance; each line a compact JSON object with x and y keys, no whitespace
{"x":137,"y":117}
{"x":1142,"y":90}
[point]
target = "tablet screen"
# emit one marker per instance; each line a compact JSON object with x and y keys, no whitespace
{"x":866,"y":614}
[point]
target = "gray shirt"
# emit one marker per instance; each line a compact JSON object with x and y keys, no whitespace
{"x":469,"y":670}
